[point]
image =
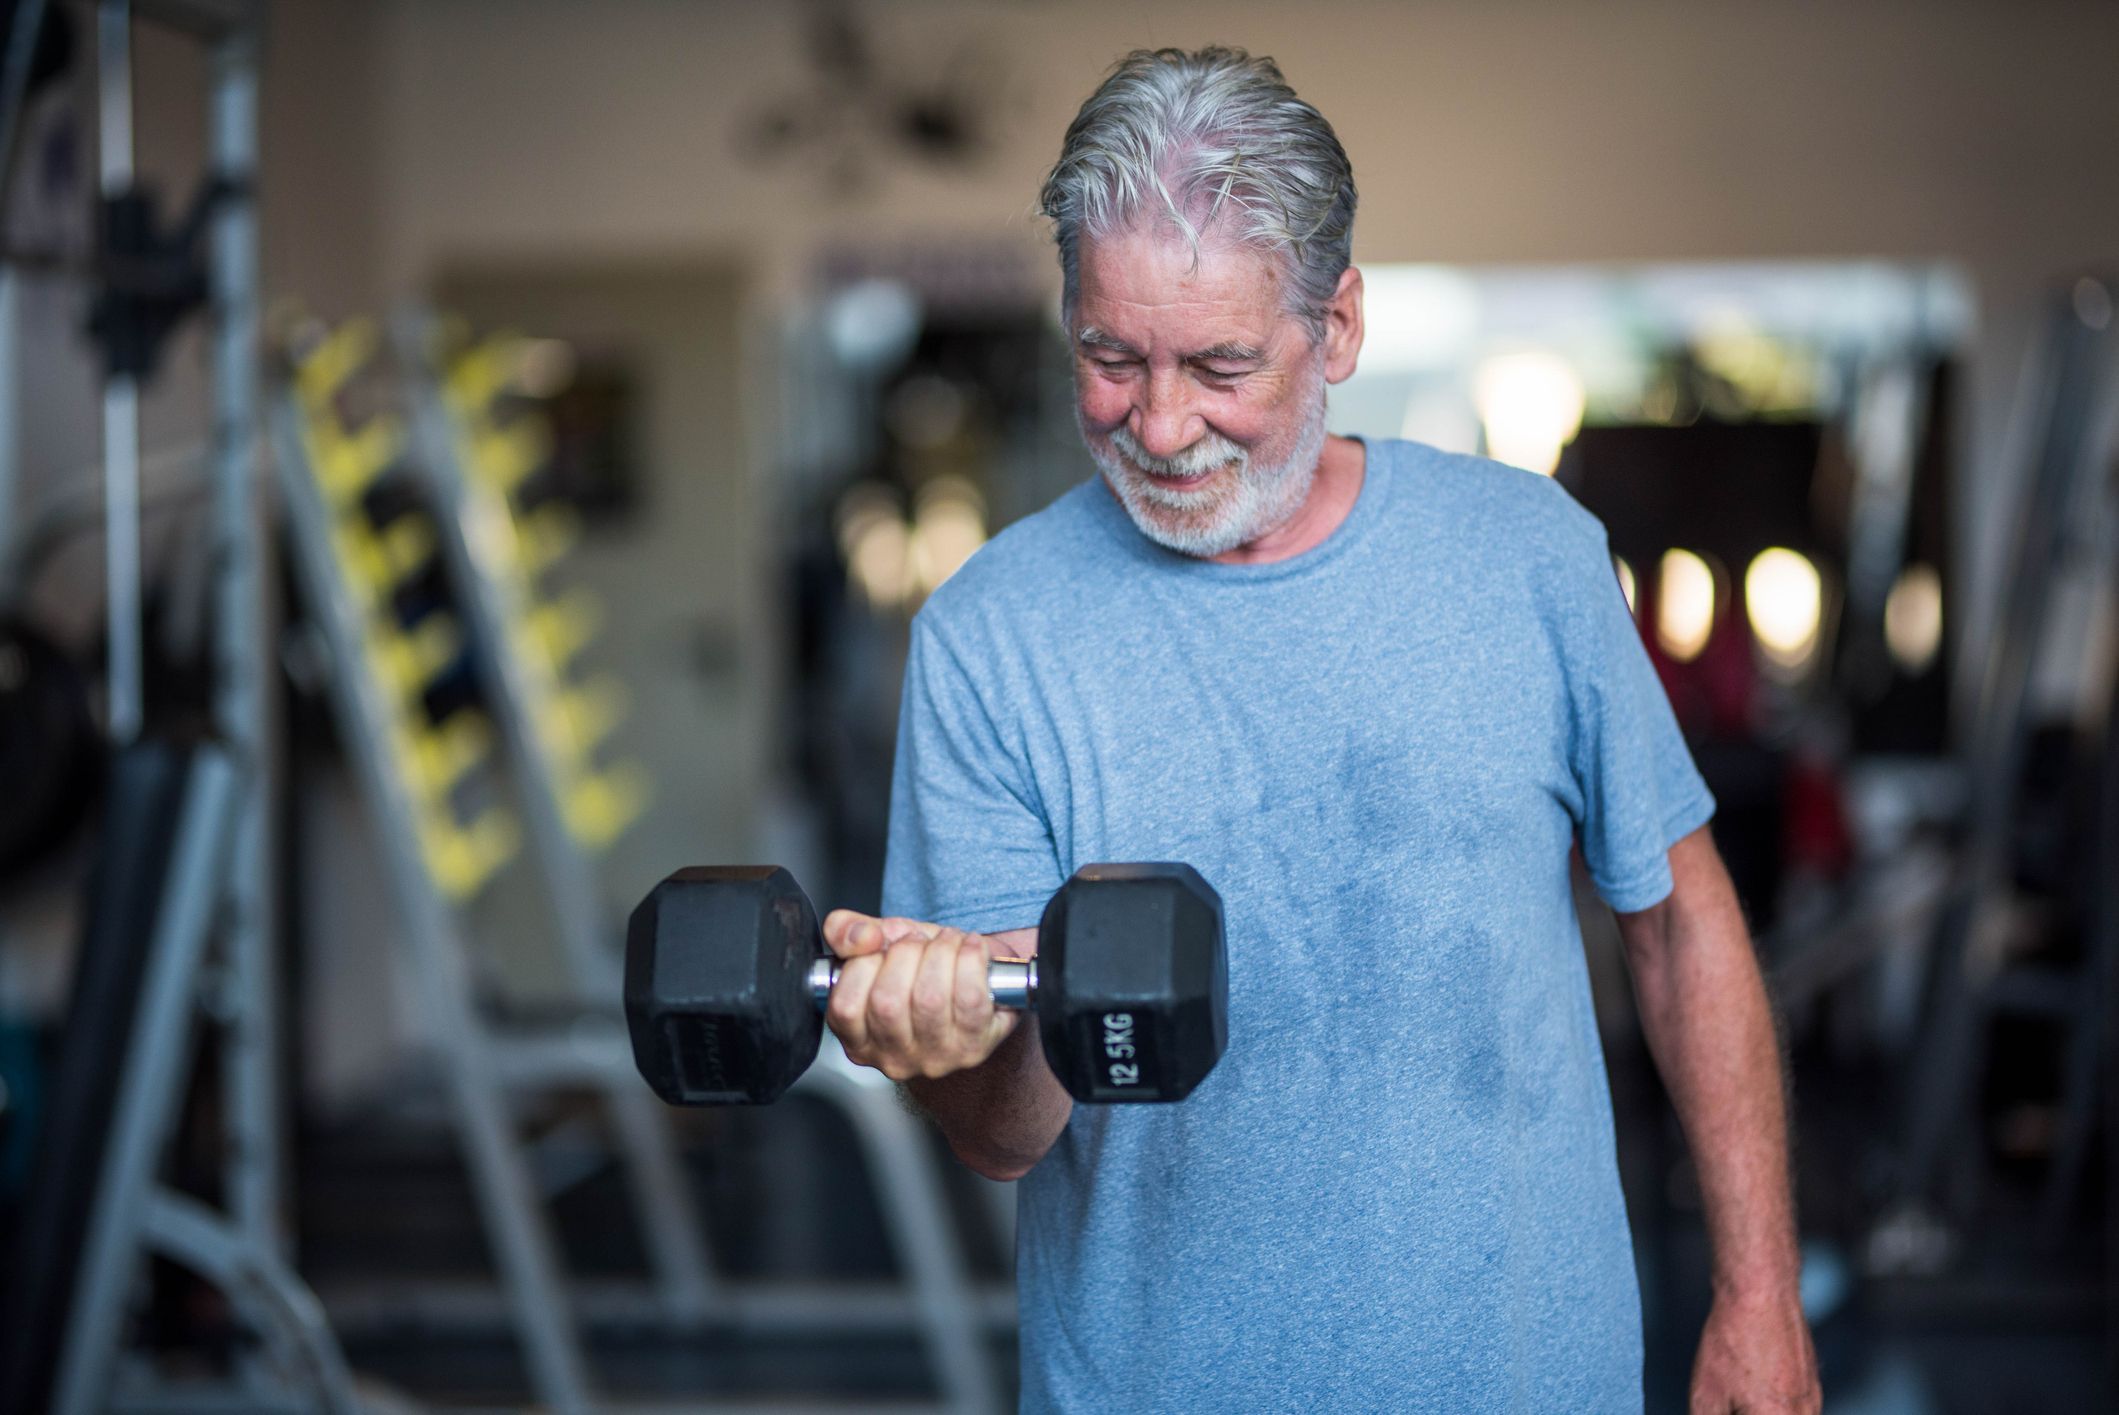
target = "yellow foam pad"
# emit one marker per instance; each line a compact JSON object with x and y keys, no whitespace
{"x":559,"y":629}
{"x":600,"y":806}
{"x":340,"y":355}
{"x":504,"y":456}
{"x":546,"y":535}
{"x":579,"y":718}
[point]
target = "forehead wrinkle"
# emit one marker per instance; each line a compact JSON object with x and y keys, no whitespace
{"x":1135,"y":280}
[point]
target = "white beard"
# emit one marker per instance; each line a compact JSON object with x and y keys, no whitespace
{"x":1251,"y":501}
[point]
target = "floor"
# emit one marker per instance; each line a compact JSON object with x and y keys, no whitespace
{"x":2016,"y":1326}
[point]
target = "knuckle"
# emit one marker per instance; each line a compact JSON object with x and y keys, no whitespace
{"x":929,"y":1000}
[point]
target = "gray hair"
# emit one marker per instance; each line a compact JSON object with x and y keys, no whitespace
{"x":1204,"y":137}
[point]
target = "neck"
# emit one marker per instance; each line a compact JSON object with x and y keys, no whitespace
{"x":1333,"y":491}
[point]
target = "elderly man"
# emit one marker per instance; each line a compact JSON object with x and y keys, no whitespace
{"x":1376,"y":694}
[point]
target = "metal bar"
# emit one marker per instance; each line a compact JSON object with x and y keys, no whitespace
{"x":242,"y":670}
{"x":519,"y":690}
{"x":121,"y":394}
{"x":154,"y":1070}
{"x":1013,"y":981}
{"x":583,"y":1053}
{"x":121,"y":559}
{"x":472,"y":1309}
{"x":14,"y":86}
{"x":114,"y":96}
{"x":920,"y":1230}
{"x":264,"y":1289}
{"x":662,"y":1199}
{"x":2104,"y":948}
{"x":518,"y":686}
{"x":14,"y":537}
{"x":516,"y":1228}
{"x":205,"y":1398}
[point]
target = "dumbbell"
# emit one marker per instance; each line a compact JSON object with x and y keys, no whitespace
{"x":727,"y":975}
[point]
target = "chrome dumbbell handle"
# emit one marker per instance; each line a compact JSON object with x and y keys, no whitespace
{"x":1013,"y":980}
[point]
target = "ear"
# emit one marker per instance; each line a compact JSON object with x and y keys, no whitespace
{"x":1343,"y":328}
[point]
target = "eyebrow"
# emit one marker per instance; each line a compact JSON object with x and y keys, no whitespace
{"x":1093,"y":338}
{"x":1228,"y":351}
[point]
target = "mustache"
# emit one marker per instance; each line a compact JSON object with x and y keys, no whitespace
{"x":1211,"y":451}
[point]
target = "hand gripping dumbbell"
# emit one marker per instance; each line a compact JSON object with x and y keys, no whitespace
{"x":727,"y":976}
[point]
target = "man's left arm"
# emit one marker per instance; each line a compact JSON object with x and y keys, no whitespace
{"x":1708,"y":1025}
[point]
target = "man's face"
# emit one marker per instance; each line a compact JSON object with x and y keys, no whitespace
{"x":1198,"y":394}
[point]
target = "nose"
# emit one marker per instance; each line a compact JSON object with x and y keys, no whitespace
{"x":1163,"y":421}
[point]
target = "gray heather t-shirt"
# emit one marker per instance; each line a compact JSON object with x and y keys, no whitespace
{"x":1397,"y":1191}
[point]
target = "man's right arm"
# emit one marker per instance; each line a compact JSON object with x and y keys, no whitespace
{"x":913,"y":1002}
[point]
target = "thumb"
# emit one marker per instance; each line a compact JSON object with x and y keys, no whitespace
{"x":850,"y":934}
{"x":998,"y":1027}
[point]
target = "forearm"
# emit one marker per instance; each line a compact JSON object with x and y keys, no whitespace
{"x":1710,"y":1029}
{"x":1001,"y":1116}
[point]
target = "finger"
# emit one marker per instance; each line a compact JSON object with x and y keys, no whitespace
{"x":847,"y":1011}
{"x":890,"y":1005}
{"x":895,"y":929}
{"x":933,"y":999}
{"x":990,"y":1024}
{"x":850,"y":934}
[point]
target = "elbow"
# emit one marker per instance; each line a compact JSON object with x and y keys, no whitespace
{"x":1647,"y":938}
{"x":993,"y":1167}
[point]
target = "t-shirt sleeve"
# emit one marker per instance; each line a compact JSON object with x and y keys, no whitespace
{"x":1638,"y":792}
{"x":969,"y":843}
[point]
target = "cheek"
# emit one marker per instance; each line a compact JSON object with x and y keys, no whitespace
{"x":1243,"y":421}
{"x":1267,"y":417}
{"x":1103,"y":404}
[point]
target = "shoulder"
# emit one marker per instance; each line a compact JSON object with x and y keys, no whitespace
{"x":1479,"y":494}
{"x":1503,"y":523}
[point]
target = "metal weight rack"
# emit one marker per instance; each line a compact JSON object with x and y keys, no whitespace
{"x":409,"y":772}
{"x":2070,"y":492}
{"x":472,"y":459}
{"x":191,"y":924}
{"x":477,"y":458}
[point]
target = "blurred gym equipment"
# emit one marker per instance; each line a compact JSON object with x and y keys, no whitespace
{"x":180,"y":902}
{"x":424,"y":572}
{"x":408,"y":769}
{"x":50,"y":752}
{"x":2015,"y":938}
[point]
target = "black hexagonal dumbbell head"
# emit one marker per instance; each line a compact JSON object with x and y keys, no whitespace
{"x":1133,"y":982}
{"x":717,"y":996}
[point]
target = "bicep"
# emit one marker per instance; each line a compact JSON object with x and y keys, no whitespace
{"x":969,"y":843}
